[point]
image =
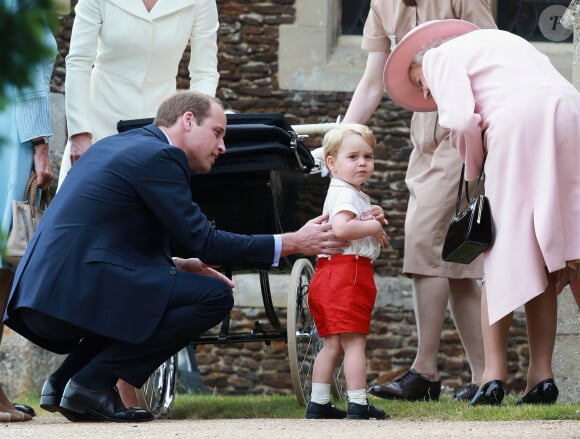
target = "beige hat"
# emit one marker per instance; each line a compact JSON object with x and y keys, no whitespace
{"x":396,"y":74}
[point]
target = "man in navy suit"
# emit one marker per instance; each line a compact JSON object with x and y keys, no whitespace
{"x":101,"y":253}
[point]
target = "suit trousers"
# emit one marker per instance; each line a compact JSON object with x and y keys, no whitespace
{"x":197,"y":303}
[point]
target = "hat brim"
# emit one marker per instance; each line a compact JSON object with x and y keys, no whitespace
{"x":396,"y":74}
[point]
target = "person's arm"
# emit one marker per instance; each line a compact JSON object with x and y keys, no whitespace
{"x":203,"y":70}
{"x":347,"y":226}
{"x":79,"y":64}
{"x":370,"y":90}
{"x":32,"y":113}
{"x":315,"y":237}
{"x":42,"y":164}
{"x":451,"y":89}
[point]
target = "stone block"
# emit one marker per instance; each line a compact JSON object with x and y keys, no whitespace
{"x":24,"y":365}
{"x":567,"y":348}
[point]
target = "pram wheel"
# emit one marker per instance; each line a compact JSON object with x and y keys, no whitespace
{"x":303,"y":341}
{"x":158,"y":393}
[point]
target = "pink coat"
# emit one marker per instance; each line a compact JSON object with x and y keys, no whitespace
{"x":496,"y":83}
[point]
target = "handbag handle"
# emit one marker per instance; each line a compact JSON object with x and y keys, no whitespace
{"x":461,"y":181}
{"x":31,"y":194}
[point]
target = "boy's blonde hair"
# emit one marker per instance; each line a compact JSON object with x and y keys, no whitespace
{"x":333,"y":138}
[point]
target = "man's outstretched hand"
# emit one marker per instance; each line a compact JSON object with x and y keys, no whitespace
{"x":315,"y":237}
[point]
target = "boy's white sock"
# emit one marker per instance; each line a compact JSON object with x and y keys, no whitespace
{"x":358,"y":396}
{"x":320,"y":393}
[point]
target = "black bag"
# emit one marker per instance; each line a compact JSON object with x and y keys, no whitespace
{"x":471,"y":230}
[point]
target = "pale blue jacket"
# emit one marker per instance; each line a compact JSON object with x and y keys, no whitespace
{"x":27,"y":116}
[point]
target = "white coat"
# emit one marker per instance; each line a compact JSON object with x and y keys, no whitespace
{"x":123,"y":60}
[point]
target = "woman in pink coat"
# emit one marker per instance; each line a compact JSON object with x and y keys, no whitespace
{"x":501,"y":98}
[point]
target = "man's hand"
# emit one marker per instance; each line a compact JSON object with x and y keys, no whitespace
{"x":79,"y":143}
{"x":315,"y":237}
{"x":195,"y":265}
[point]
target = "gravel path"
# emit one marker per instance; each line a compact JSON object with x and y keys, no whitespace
{"x":58,"y":427}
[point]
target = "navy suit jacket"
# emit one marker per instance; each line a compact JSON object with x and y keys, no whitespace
{"x":100,"y":258}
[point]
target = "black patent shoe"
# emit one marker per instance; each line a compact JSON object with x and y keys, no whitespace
{"x":357,"y":411}
{"x":411,"y":387}
{"x":50,"y":397}
{"x":24,"y":409}
{"x":323,"y":411}
{"x":100,"y":405}
{"x":545,"y":392}
{"x":491,"y":393}
{"x":466,"y":393}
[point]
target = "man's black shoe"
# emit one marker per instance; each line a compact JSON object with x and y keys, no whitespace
{"x":323,"y":411}
{"x":50,"y":397}
{"x":357,"y":411}
{"x":100,"y":405}
{"x":411,"y":386}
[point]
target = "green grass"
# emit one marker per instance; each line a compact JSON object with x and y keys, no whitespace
{"x":223,"y":407}
{"x":248,"y":407}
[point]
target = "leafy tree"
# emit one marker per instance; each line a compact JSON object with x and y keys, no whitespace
{"x":21,"y":29}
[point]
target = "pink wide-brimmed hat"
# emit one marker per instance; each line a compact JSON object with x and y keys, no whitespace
{"x":396,"y":74}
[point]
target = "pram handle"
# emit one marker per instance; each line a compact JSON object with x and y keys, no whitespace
{"x":313,"y":129}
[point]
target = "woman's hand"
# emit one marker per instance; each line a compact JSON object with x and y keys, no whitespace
{"x":79,"y":143}
{"x":195,"y":265}
{"x":42,"y":166}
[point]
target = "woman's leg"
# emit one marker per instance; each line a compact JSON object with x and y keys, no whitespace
{"x":127,"y":393}
{"x":465,"y":305}
{"x":541,"y":322}
{"x":6,"y":277}
{"x":495,"y":343}
{"x":430,"y":297}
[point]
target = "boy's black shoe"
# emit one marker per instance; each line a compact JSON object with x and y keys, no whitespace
{"x":357,"y":411}
{"x":323,"y":411}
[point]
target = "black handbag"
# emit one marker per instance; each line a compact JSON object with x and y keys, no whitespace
{"x":471,"y":230}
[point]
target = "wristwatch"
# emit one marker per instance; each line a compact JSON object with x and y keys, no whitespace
{"x":40,"y":141}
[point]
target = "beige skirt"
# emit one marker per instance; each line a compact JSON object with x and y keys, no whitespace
{"x":432,"y":179}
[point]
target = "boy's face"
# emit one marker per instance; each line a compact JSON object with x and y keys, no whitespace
{"x":354,"y":162}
